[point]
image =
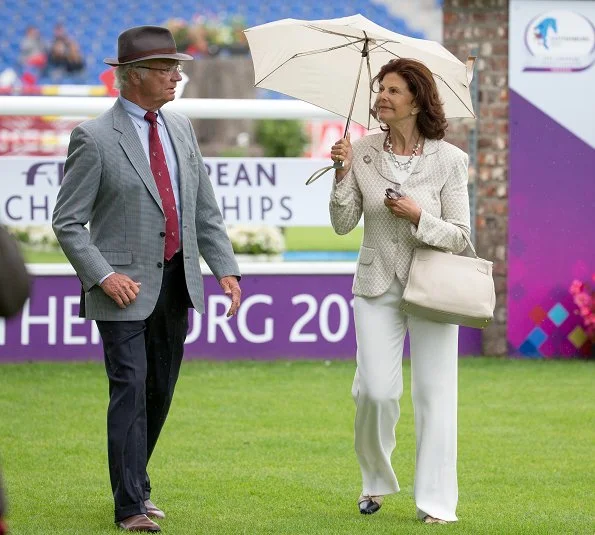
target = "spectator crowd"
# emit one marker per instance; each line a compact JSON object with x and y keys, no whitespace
{"x":58,"y":60}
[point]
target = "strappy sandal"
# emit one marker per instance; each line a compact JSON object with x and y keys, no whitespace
{"x":368,"y":505}
{"x":431,"y":520}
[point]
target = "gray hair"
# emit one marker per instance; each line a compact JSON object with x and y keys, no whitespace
{"x":121,"y":73}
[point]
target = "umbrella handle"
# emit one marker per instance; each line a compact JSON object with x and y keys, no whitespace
{"x":317,"y":174}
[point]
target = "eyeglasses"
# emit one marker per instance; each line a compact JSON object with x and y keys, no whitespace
{"x":170,"y":70}
{"x":395,"y":193}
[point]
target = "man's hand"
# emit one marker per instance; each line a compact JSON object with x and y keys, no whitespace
{"x":231,"y":287}
{"x":121,"y":288}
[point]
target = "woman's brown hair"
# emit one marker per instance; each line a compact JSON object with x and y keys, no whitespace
{"x":430,"y":119}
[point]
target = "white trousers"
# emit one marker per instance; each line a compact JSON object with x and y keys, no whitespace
{"x":378,"y":386}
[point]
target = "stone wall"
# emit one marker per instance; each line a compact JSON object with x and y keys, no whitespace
{"x":482,"y":26}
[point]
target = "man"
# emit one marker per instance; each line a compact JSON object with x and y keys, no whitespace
{"x":15,"y":286}
{"x":137,"y":176}
{"x":15,"y":283}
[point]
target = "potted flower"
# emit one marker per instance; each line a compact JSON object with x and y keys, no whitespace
{"x":583,"y":295}
{"x":256,"y":242}
{"x":36,"y":237}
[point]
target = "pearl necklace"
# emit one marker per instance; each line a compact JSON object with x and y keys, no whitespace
{"x":401,"y":166}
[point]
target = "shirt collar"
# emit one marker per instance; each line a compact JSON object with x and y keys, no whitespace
{"x":138,"y":113}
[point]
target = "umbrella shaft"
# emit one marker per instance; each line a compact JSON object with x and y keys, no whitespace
{"x":359,"y":73}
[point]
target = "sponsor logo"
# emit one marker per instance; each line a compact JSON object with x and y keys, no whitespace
{"x":560,"y":40}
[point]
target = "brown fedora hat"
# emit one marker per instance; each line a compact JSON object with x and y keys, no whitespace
{"x":146,"y":42}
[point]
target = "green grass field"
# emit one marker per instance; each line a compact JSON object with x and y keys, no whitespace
{"x":266,"y":448}
{"x":321,"y":239}
{"x":43,"y":257}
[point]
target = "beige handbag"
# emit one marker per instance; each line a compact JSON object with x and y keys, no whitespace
{"x":450,"y":288}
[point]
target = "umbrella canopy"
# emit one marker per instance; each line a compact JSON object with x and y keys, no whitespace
{"x":330,"y":63}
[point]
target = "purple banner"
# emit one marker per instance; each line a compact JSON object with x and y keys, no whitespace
{"x":281,"y":317}
{"x":551,"y":223}
{"x":551,"y":193}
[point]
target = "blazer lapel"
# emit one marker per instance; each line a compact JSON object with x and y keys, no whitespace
{"x":380,"y":163}
{"x":430,"y":149}
{"x":134,"y":150}
{"x":177,"y":138}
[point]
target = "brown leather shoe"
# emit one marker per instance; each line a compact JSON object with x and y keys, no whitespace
{"x":153,"y":511}
{"x":138,"y":523}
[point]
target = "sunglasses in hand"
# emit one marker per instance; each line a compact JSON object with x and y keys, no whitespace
{"x":391,"y":193}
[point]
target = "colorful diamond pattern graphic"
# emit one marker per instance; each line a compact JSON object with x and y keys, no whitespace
{"x":558,"y":314}
{"x":529,"y":350}
{"x":554,"y":333}
{"x":538,"y":315}
{"x":577,"y":336}
{"x":537,"y":337}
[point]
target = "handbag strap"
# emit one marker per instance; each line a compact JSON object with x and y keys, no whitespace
{"x":469,"y":245}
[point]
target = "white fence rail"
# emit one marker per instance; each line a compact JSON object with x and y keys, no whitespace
{"x":195,"y":108}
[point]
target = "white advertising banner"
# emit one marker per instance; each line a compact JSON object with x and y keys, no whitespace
{"x":262,"y":191}
{"x":551,"y":57}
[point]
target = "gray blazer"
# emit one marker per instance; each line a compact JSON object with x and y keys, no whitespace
{"x":108,"y":183}
{"x":438,"y":184}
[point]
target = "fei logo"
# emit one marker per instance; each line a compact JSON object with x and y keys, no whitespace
{"x":560,"y":40}
{"x":49,"y":172}
{"x":28,"y":189}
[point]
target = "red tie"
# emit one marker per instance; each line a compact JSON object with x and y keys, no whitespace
{"x":161,"y":174}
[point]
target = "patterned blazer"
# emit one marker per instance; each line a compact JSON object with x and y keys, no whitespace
{"x":108,"y":183}
{"x":438,"y":184}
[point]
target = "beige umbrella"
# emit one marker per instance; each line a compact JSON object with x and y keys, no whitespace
{"x":331,"y":63}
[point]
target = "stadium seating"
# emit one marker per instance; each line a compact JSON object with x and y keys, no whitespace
{"x":95,"y":25}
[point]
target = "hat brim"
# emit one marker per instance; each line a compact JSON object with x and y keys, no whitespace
{"x":179,"y":56}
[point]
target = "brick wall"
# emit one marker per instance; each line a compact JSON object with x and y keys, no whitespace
{"x":482,"y":26}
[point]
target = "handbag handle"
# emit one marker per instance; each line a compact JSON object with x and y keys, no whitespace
{"x":469,"y":245}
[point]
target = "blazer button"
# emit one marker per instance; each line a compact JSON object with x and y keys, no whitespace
{"x":159,"y":265}
{"x":162,"y":234}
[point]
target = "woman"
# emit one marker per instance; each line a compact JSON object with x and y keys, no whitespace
{"x":428,"y":207}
